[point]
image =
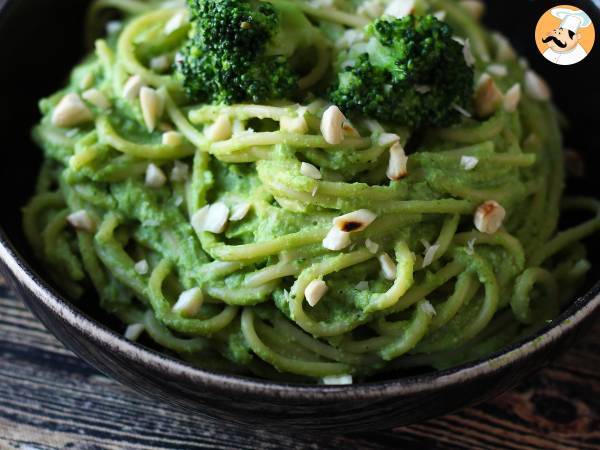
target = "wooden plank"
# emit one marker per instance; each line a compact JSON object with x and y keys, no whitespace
{"x":52,"y":400}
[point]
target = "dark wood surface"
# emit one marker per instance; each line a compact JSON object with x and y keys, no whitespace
{"x":50,"y":399}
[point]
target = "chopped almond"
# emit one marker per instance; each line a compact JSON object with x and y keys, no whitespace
{"x":189,"y":302}
{"x":220,"y":130}
{"x":388,"y":266}
{"x":96,"y":98}
{"x":397,"y":164}
{"x":132,"y":87}
{"x":332,"y":124}
{"x":488,"y":98}
{"x":336,"y":239}
{"x":152,"y":107}
{"x":355,"y":221}
{"x":155,"y":177}
{"x":489,"y":217}
{"x":81,"y":220}
{"x":536,"y":87}
{"x":70,"y":112}
{"x":239,"y":211}
{"x":308,"y":170}
{"x":512,"y":98}
{"x":399,"y":8}
{"x":134,"y":331}
{"x":315,"y":290}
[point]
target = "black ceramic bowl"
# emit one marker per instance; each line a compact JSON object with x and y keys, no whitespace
{"x":40,"y":40}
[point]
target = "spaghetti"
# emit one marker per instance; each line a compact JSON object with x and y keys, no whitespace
{"x":117,"y":208}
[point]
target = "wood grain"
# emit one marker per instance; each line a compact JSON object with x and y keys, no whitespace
{"x":49,"y":399}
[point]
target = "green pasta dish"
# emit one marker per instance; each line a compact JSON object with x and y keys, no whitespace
{"x":307,"y":191}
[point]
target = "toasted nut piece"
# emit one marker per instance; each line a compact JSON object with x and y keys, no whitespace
{"x":512,"y":98}
{"x":373,"y":247}
{"x":308,"y":170}
{"x":371,"y":9}
{"x":134,"y":331}
{"x":489,"y":217}
{"x":131,"y":89}
{"x":331,"y":125}
{"x":388,"y":266}
{"x":499,"y":70}
{"x":212,"y":218}
{"x":180,"y":171}
{"x":189,"y":302}
{"x":141,"y":267}
{"x":388,"y":139}
{"x":536,"y":87}
{"x":152,"y":107}
{"x":461,"y":110}
{"x":362,"y":285}
{"x":471,"y":246}
{"x":475,"y":8}
{"x":296,"y":125}
{"x":239,"y":211}
{"x":350,"y":37}
{"x":336,"y":239}
{"x":440,"y":15}
{"x":468,"y":53}
{"x":504,"y":50}
{"x":155,"y":177}
{"x":458,"y":39}
{"x":216,"y":221}
{"x":174,"y":23}
{"x":81,"y":220}
{"x":315,"y":290}
{"x":488,"y":98}
{"x":220,"y":130}
{"x":160,"y":63}
{"x":96,"y":98}
{"x":399,"y":8}
{"x":355,"y":221}
{"x":427,"y":308}
{"x":172,"y":138}
{"x":337,"y":379}
{"x":199,"y":219}
{"x":397,"y":165}
{"x":430,"y":252}
{"x":468,"y":162}
{"x":71,"y":111}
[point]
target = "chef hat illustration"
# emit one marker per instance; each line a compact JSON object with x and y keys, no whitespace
{"x":572,"y":20}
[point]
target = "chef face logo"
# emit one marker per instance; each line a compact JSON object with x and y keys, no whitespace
{"x":561,"y":40}
{"x":565,"y":35}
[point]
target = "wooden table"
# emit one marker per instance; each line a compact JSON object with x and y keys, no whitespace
{"x":50,"y":399}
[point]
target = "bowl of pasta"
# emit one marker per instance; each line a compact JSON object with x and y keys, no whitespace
{"x":333,"y":217}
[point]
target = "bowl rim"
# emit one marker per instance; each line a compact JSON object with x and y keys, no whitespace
{"x":581,"y":308}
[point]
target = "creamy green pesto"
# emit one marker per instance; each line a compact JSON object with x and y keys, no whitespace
{"x":118,"y":214}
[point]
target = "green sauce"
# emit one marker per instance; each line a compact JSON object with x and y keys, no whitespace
{"x":134,"y":241}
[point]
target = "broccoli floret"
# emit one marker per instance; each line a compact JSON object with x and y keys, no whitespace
{"x":409,"y":71}
{"x":245,"y":50}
